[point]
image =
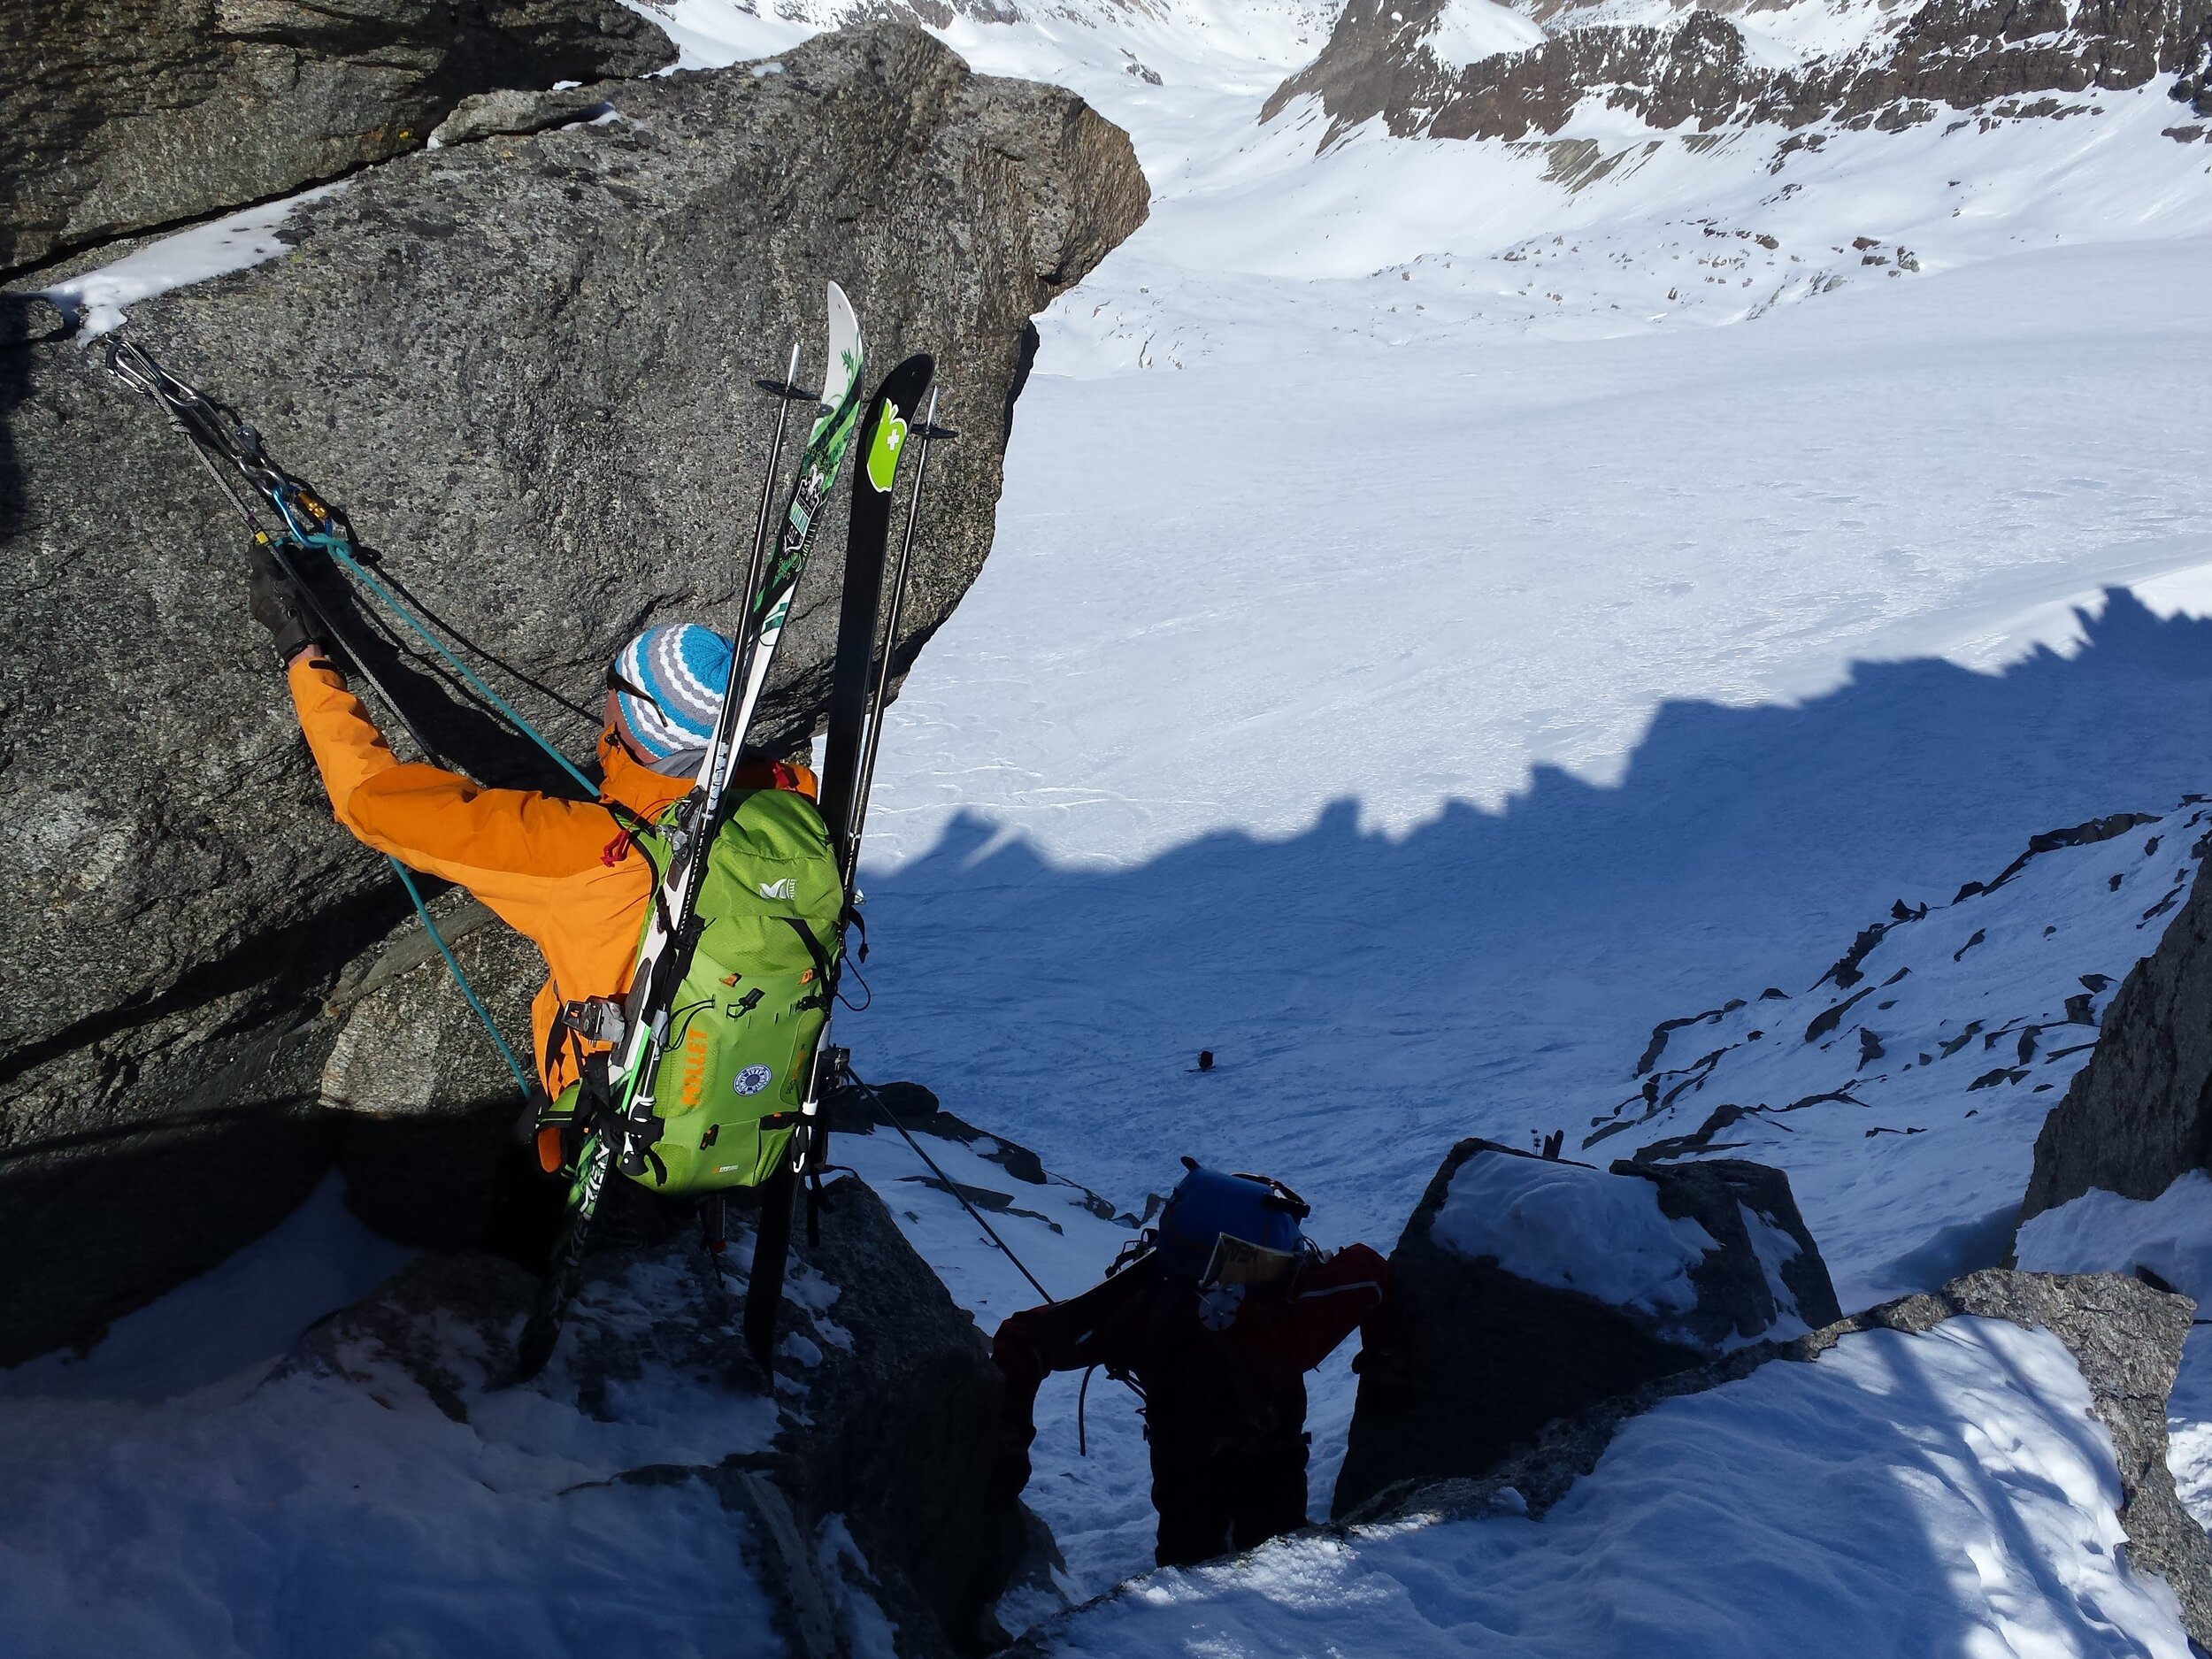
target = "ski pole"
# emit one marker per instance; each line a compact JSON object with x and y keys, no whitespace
{"x":871,"y":741}
{"x":787,"y":393}
{"x":132,"y":366}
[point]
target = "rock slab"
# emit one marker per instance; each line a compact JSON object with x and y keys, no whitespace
{"x":2140,"y":1112}
{"x":1943,"y":56}
{"x":524,"y":367}
{"x":1479,"y":1359}
{"x":120,"y":115}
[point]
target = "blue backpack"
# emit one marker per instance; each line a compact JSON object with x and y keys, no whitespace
{"x":1228,"y":1228}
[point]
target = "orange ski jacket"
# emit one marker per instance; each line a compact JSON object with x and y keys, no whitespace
{"x":563,"y":873}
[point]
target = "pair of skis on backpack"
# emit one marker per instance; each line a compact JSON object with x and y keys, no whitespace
{"x":662,"y":1045}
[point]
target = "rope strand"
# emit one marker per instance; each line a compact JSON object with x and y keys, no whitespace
{"x":461,"y":979}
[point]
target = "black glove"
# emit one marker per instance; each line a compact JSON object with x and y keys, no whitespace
{"x":279,"y":606}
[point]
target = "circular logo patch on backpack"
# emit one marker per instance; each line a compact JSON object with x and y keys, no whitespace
{"x":1218,"y":1306}
{"x":754,"y":1078}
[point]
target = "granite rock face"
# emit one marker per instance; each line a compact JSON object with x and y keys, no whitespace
{"x":2126,"y":1336}
{"x":2140,"y":1112}
{"x":422,"y":1111}
{"x":1947,"y":56}
{"x":524,"y":367}
{"x":124,"y":114}
{"x":1480,"y":1358}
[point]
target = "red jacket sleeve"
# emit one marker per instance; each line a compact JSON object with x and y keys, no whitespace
{"x":1283,"y":1337}
{"x":1103,"y":1326}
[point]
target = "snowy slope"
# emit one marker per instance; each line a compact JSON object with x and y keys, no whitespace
{"x":1732,"y":1523}
{"x":1903,"y":1089}
{"x":184,"y":1491}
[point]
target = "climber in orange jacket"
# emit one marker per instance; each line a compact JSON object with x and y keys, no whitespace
{"x":563,"y":873}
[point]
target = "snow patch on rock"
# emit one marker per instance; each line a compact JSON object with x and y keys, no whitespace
{"x":2103,"y":1233}
{"x":1574,"y":1228}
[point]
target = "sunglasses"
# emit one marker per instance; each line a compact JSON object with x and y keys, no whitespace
{"x":616,"y":682}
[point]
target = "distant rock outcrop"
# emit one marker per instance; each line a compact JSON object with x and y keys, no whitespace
{"x":118,"y":115}
{"x":2126,"y":1336}
{"x":2140,"y":1112}
{"x":1947,"y":56}
{"x":523,"y":366}
{"x":1526,"y":1289}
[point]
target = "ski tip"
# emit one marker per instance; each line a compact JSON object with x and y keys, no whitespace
{"x":846,"y":352}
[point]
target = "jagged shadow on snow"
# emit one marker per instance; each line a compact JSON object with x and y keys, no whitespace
{"x":1372,"y":998}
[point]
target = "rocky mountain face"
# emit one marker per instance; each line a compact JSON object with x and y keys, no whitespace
{"x":2140,"y":1112}
{"x":1943,"y":58}
{"x":1482,"y":1354}
{"x":2126,"y":1337}
{"x":119,"y":117}
{"x":524,"y":366}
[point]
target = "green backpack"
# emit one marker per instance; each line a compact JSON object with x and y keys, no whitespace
{"x":754,"y":998}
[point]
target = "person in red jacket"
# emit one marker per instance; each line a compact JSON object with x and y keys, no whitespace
{"x":1217,"y":1321}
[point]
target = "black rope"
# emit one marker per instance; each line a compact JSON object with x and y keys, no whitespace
{"x":951,"y":1186}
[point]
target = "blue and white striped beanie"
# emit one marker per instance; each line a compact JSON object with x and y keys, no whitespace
{"x":668,"y":685}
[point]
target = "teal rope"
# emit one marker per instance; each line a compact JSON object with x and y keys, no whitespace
{"x":335,"y":545}
{"x":522,"y":1078}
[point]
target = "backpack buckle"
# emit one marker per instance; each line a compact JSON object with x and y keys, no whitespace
{"x":595,"y":1019}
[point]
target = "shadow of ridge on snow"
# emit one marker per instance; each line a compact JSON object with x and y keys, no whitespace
{"x":1495,"y":972}
{"x":2125,"y":1337}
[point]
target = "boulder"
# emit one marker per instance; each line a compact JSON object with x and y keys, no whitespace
{"x":523,"y":366}
{"x":1525,"y":1289}
{"x":423,"y":1108}
{"x":128,"y":114}
{"x":883,"y":1402}
{"x":2126,"y":1337}
{"x":2139,"y":1114}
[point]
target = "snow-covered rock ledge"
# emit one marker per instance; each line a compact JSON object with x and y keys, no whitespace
{"x":1526,"y":1289}
{"x":1983,"y":1468}
{"x":207,"y":1481}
